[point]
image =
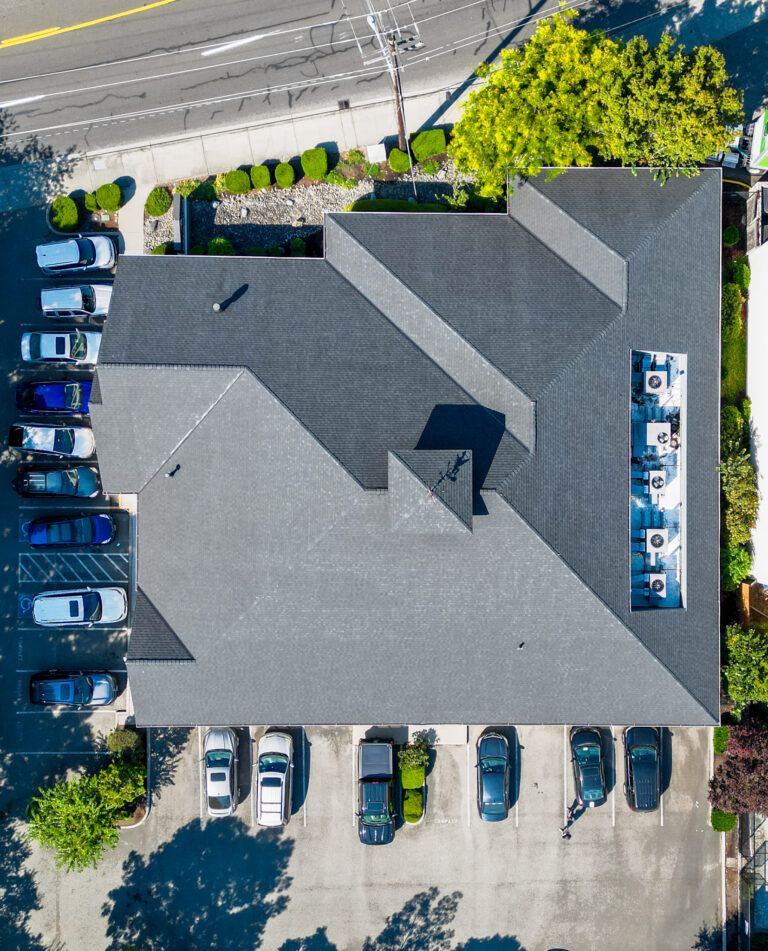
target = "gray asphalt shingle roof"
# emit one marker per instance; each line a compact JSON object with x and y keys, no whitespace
{"x":295,"y":593}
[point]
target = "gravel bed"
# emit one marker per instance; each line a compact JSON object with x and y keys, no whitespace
{"x":158,"y":231}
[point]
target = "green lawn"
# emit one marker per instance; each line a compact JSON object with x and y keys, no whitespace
{"x":735,"y":369}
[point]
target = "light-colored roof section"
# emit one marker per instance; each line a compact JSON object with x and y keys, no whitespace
{"x":430,"y":491}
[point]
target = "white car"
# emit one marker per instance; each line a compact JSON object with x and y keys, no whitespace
{"x":96,"y":253}
{"x":74,"y":346}
{"x":81,"y":300}
{"x":66,"y":441}
{"x":274,"y":771}
{"x":80,"y":606}
{"x":220,"y":758}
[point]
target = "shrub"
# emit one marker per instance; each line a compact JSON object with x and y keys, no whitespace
{"x":158,"y":202}
{"x":735,"y":566}
{"x":731,"y":236}
{"x":256,"y":252}
{"x":186,"y":188}
{"x":723,"y":821}
{"x":738,"y":272}
{"x":732,"y":303}
{"x":393,"y":204}
{"x":127,"y":744}
{"x":733,"y":431}
{"x":414,"y":755}
{"x":204,"y":192}
{"x":740,"y":783}
{"x":219,"y":184}
{"x":353,"y":157}
{"x":284,"y":176}
{"x":220,"y":246}
{"x":297,"y":248}
{"x":720,"y":738}
{"x":428,"y":143}
{"x":197,"y":249}
{"x":237,"y":182}
{"x":260,"y":176}
{"x":64,"y":214}
{"x":336,"y":178}
{"x":373,"y":170}
{"x":399,"y":161}
{"x":275,"y":251}
{"x":314,"y":163}
{"x":109,"y":197}
{"x":161,"y":248}
{"x":432,"y":167}
{"x":413,"y":805}
{"x":90,"y":202}
{"x":746,"y":669}
{"x":746,"y":409}
{"x":739,"y":484}
{"x":412,"y":777}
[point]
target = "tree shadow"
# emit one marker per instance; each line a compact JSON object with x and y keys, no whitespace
{"x":495,"y":943}
{"x":167,"y":747}
{"x":423,"y":923}
{"x":18,"y":893}
{"x":212,"y":887}
{"x":315,"y":942}
{"x":710,"y":937}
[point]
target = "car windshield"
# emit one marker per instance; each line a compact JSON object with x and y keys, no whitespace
{"x":643,"y":754}
{"x":78,"y":344}
{"x":587,"y":755}
{"x":89,"y":300}
{"x":493,"y":764}
{"x":494,"y":808}
{"x":86,"y":251}
{"x":91,"y":606}
{"x":34,"y":346}
{"x":64,"y":440}
{"x":66,"y":479}
{"x":217,"y":758}
{"x":376,"y":819}
{"x":73,"y":396}
{"x":83,"y":688}
{"x":219,"y":802}
{"x":273,"y":763}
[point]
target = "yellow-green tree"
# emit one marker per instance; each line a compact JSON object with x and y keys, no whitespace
{"x":570,"y":97}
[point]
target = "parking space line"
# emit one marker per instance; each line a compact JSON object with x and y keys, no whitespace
{"x":84,"y":567}
{"x":252,"y":796}
{"x":518,"y":777}
{"x":303,"y":776}
{"x":565,"y":771}
{"x":615,"y":773}
{"x":661,"y":809}
{"x":56,"y":752}
{"x":354,"y":788}
{"x":34,"y":670}
{"x":20,"y":713}
{"x":200,"y":768}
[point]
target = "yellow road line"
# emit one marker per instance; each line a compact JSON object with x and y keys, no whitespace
{"x":56,"y":30}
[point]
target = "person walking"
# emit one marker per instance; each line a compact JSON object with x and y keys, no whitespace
{"x":571,"y":815}
{"x":565,"y":833}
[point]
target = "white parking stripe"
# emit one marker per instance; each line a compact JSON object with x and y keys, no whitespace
{"x":56,"y":753}
{"x":200,"y":768}
{"x":565,"y":772}
{"x":517,"y":778}
{"x":661,"y":809}
{"x":303,"y":776}
{"x":615,"y":777}
{"x":354,"y":788}
{"x":469,"y":788}
{"x":20,"y":713}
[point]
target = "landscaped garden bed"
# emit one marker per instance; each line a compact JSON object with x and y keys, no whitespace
{"x":413,"y":760}
{"x":86,"y":211}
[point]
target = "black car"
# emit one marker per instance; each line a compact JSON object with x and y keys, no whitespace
{"x":493,"y":777}
{"x":72,"y":688}
{"x":588,"y":766}
{"x":79,"y":481}
{"x":642,"y":767}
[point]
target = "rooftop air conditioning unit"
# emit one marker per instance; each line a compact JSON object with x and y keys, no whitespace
{"x":658,"y":585}
{"x":656,"y":381}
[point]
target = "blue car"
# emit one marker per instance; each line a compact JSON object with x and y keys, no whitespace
{"x":75,"y":530}
{"x":67,"y":397}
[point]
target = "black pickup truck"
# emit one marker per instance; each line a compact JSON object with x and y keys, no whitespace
{"x":375,"y":815}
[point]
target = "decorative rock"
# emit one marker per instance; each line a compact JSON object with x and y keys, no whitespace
{"x":290,"y":201}
{"x":243,"y":212}
{"x":153,"y":224}
{"x":441,"y":174}
{"x":215,"y":203}
{"x":298,"y":222}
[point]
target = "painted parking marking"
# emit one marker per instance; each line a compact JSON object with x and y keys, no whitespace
{"x":469,"y":789}
{"x":565,"y":772}
{"x":71,"y":567}
{"x":200,"y":768}
{"x":518,"y":778}
{"x":354,"y":788}
{"x":303,"y":776}
{"x":57,"y":752}
{"x":615,"y":773}
{"x":43,"y":713}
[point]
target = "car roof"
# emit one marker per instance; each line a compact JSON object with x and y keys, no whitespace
{"x":52,"y":606}
{"x":65,"y":298}
{"x":59,"y":252}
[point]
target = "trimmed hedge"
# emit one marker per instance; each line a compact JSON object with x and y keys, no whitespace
{"x":64,"y":213}
{"x":197,"y":249}
{"x":260,"y":176}
{"x":738,"y":272}
{"x":162,"y":248}
{"x":413,"y":805}
{"x":738,"y":480}
{"x":237,"y":182}
{"x":399,"y":161}
{"x":90,"y":202}
{"x":314,"y":163}
{"x":297,"y":248}
{"x":275,"y":251}
{"x":256,"y":252}
{"x":720,"y":738}
{"x":428,"y":143}
{"x":158,"y":202}
{"x":284,"y":176}
{"x":394,"y":204}
{"x":109,"y":197}
{"x":732,"y":303}
{"x":221,"y":246}
{"x":412,"y":777}
{"x":731,"y":236}
{"x":723,"y":821}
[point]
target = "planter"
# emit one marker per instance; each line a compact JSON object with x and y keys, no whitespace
{"x":414,"y":794}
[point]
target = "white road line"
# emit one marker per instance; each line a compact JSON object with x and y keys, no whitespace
{"x":661,"y":809}
{"x":57,"y":752}
{"x":354,"y":788}
{"x":304,"y":776}
{"x":615,"y":773}
{"x":469,"y":789}
{"x":35,"y":670}
{"x":565,"y":772}
{"x":252,"y":796}
{"x":517,"y":778}
{"x":21,"y":713}
{"x":20,"y":102}
{"x":235,"y":43}
{"x":200,"y":768}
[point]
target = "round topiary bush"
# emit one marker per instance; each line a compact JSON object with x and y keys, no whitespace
{"x":197,"y":249}
{"x":297,"y":248}
{"x":158,"y":202}
{"x":64,"y":214}
{"x":723,"y":821}
{"x":284,"y":176}
{"x":237,"y":182}
{"x":90,"y":202}
{"x":220,"y":246}
{"x":314,"y":163}
{"x":260,"y":177}
{"x":399,"y":161}
{"x":161,"y":248}
{"x":109,"y":197}
{"x":731,"y":236}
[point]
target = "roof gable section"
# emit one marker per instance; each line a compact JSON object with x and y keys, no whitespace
{"x":430,"y":491}
{"x":152,"y":639}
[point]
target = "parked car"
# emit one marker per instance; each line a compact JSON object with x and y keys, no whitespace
{"x":80,"y":482}
{"x":375,"y":811}
{"x":78,"y":347}
{"x":493,"y":777}
{"x":642,"y":767}
{"x":274,"y":762}
{"x":588,"y":766}
{"x":66,"y":397}
{"x":73,"y":255}
{"x":74,"y":442}
{"x":80,"y":300}
{"x":72,"y":531}
{"x":72,"y":688}
{"x":220,"y":758}
{"x":80,"y":606}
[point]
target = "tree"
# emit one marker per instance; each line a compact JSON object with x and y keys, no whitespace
{"x":739,"y":484}
{"x":740,"y":783}
{"x":570,"y":95}
{"x":746,"y":670}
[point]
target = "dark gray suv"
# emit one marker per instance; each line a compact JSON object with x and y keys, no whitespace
{"x":642,"y":767}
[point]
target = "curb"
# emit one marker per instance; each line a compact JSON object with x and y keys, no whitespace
{"x":144,"y":818}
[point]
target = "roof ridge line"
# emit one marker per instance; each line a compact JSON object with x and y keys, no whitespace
{"x":431,"y":489}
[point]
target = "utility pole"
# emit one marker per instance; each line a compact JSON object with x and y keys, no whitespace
{"x":387,"y":47}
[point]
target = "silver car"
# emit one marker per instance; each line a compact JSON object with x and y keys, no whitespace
{"x":220,"y":760}
{"x":96,"y":253}
{"x":81,"y":300}
{"x":274,"y":767}
{"x":86,"y":606}
{"x":74,"y":347}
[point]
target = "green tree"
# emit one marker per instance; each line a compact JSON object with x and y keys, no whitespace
{"x":739,"y":484}
{"x":570,"y":95}
{"x":746,"y":670}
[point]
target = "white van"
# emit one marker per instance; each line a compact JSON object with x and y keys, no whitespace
{"x":85,"y":300}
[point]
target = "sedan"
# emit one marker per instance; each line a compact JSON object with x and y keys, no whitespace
{"x":493,"y":777}
{"x":80,"y":347}
{"x":72,"y":688}
{"x":72,"y":531}
{"x":80,"y":482}
{"x":642,"y":767}
{"x":76,"y":254}
{"x":74,"y":442}
{"x":66,"y":397}
{"x":275,"y":773}
{"x":588,"y":766}
{"x":220,"y":758}
{"x":87,"y":606}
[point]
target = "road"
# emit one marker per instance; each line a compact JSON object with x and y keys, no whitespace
{"x":92,"y":76}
